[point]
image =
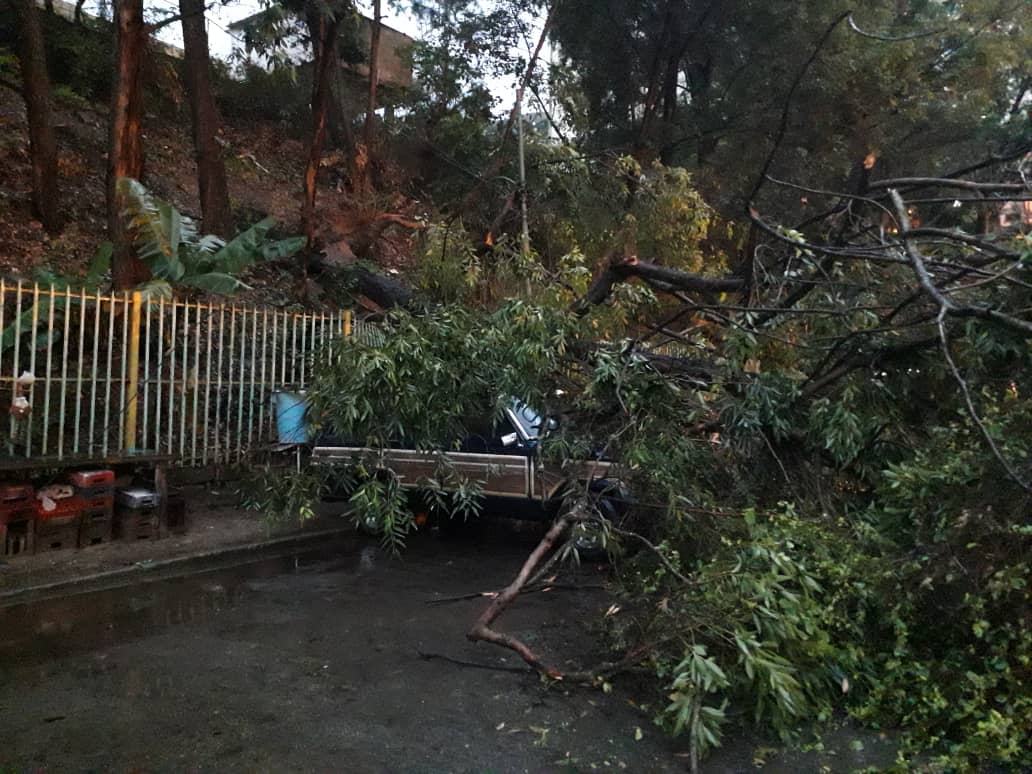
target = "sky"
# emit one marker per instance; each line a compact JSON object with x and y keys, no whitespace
{"x":222,"y":41}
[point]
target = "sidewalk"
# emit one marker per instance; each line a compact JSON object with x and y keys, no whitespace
{"x":216,"y":526}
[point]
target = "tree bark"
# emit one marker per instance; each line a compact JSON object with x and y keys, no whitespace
{"x":371,"y":108}
{"x":374,"y":77}
{"x":211,"y":170}
{"x":325,"y":28}
{"x":482,"y":630}
{"x":36,"y":91}
{"x":125,"y":154}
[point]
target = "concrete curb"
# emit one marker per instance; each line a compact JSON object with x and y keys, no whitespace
{"x":123,"y":576}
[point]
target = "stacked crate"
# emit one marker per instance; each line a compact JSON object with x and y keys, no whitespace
{"x":17,"y":519}
{"x":57,"y":522}
{"x":137,"y":516}
{"x":96,"y":488}
{"x":175,"y":514}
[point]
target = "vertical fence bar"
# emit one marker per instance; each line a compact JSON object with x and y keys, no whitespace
{"x":64,"y":374}
{"x":304,"y":330}
{"x":78,"y":379}
{"x":132,"y":337}
{"x":32,"y":367}
{"x":283,"y":359}
{"x":272,"y":381}
{"x":17,"y":351}
{"x":50,"y":362}
{"x":107,"y":387}
{"x":207,"y":387}
{"x":229,"y":383}
{"x":261,"y":391}
{"x":185,"y":368}
{"x":293,"y":352}
{"x":328,"y":336}
{"x":196,"y":385}
{"x":172,"y":380}
{"x":3,"y":302}
{"x":240,"y":390}
{"x":254,"y":374}
{"x":161,"y":367}
{"x":218,"y":389}
{"x":126,"y":314}
{"x":313,"y":347}
{"x":347,"y":324}
{"x":146,"y":371}
{"x":93,"y":372}
{"x":186,"y":378}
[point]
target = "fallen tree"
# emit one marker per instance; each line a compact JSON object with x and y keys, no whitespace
{"x":794,"y":439}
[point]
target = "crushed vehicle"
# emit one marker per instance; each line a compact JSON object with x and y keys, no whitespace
{"x":503,"y":458}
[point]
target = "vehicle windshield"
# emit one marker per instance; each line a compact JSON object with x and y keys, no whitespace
{"x":530,"y":421}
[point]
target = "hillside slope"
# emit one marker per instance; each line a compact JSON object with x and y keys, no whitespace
{"x":264,"y":166}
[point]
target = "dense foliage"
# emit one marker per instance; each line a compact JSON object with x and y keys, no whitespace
{"x":831,"y":535}
{"x":178,"y":255}
{"x":811,"y":367}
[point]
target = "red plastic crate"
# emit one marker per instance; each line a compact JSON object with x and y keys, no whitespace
{"x":94,"y":503}
{"x":94,"y":529}
{"x":95,"y":491}
{"x":20,"y":513}
{"x":66,"y":509}
{"x":88,"y":479}
{"x":18,"y":537}
{"x":15,"y":495}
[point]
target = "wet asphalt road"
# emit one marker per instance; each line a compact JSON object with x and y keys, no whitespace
{"x":308,"y":663}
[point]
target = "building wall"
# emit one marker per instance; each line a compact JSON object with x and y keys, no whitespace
{"x":395,"y":66}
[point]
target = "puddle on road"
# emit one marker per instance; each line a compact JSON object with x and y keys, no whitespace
{"x":41,"y":630}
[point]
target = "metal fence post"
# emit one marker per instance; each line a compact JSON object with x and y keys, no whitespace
{"x":134,"y":371}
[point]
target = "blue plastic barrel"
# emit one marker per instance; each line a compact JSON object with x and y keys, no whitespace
{"x":289,"y":409}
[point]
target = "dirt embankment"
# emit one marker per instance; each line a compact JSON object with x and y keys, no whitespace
{"x":264,"y":165}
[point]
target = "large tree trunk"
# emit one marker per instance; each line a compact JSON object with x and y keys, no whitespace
{"x":324,"y":34}
{"x":36,"y":90}
{"x":125,"y":154}
{"x":211,"y":171}
{"x":374,"y":77}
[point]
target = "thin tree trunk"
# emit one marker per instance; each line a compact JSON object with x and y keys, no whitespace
{"x":364,"y":159}
{"x":36,"y":90}
{"x":338,"y":124}
{"x":374,"y":76}
{"x":498,"y":162}
{"x":78,"y":11}
{"x":125,"y":154}
{"x":211,"y":171}
{"x":655,"y":78}
{"x":322,"y":43}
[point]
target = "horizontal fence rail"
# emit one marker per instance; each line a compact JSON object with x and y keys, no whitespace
{"x":108,"y":375}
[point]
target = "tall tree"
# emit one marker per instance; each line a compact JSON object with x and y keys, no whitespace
{"x":211,"y":170}
{"x":704,"y":84}
{"x":36,"y":90}
{"x":323,"y":24}
{"x":125,"y":154}
{"x":374,"y":75}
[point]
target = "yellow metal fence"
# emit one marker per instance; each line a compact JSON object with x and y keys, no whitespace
{"x":108,"y":374}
